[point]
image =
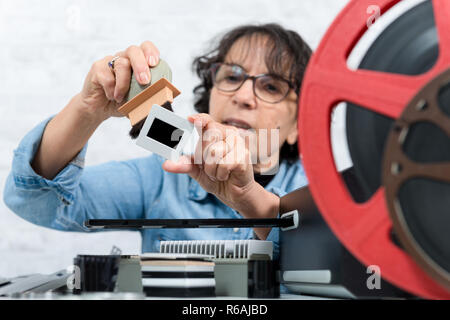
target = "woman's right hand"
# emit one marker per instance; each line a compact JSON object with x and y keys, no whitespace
{"x":104,"y":89}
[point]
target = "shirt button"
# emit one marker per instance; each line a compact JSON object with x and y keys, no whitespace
{"x":235,"y":229}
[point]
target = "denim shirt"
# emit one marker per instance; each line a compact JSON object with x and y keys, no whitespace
{"x":132,"y":189}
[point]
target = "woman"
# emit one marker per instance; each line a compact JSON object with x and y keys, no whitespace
{"x":249,"y":83}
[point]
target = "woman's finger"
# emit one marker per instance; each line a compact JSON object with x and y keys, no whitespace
{"x":226,"y":166}
{"x":223,"y":172}
{"x":139,"y":64}
{"x":151,"y":53}
{"x":210,"y":169}
{"x":183,"y":165}
{"x":236,"y":160}
{"x":122,"y":71}
{"x":214,"y":154}
{"x":210,"y":131}
{"x":104,"y":77}
{"x":201,"y":120}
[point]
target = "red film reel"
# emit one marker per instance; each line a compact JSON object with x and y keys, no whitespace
{"x":363,"y":228}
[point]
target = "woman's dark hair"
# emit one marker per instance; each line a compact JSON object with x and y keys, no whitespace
{"x":287,"y":50}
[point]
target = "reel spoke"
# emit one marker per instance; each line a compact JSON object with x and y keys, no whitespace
{"x":435,"y":171}
{"x":383,"y":93}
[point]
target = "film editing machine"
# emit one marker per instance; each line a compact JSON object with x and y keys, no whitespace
{"x":385,"y":66}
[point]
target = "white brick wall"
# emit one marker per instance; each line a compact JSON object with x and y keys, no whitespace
{"x":46,"y":49}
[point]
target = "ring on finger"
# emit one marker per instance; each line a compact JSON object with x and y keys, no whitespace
{"x":112,"y":62}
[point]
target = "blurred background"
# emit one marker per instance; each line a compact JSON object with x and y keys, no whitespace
{"x":48,"y":47}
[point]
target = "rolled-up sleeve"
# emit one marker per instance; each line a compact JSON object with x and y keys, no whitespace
{"x":25,"y":178}
{"x":109,"y":191}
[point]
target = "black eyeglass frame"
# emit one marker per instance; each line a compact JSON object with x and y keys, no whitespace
{"x":215,"y":67}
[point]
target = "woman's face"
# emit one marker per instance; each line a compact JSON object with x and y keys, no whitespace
{"x":242,"y":108}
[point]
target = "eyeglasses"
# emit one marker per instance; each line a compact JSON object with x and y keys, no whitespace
{"x":267,"y":87}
